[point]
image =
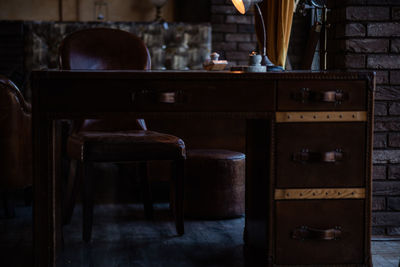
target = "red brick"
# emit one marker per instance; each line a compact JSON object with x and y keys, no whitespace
{"x":394,"y":109}
{"x":394,"y":172}
{"x":383,"y":2}
{"x":239,"y":19}
{"x":387,"y":93}
{"x":238,"y":37}
{"x":366,"y":13}
{"x":349,"y":2}
{"x":394,"y":140}
{"x":224,"y":27}
{"x":383,"y":61}
{"x":386,"y":156}
{"x":218,"y":2}
{"x":217,"y":37}
{"x":380,"y":140}
{"x":394,"y":203}
{"x":367,"y":45}
{"x":224,"y":46}
{"x":382,"y":77}
{"x":248,"y":47}
{"x":395,"y":77}
{"x":386,"y":124}
{"x":385,"y":219}
{"x":355,"y":30}
{"x":354,"y":61}
{"x":246,"y":28}
{"x":395,"y":47}
{"x":378,"y":203}
{"x":396,"y":13}
{"x":378,"y":230}
{"x":386,"y":188}
{"x":218,"y":19}
{"x":394,"y":231}
{"x":254,"y":37}
{"x":223,"y":9}
{"x":380,"y":109}
{"x":233,"y":55}
{"x":379,"y":172}
{"x":384,"y":29}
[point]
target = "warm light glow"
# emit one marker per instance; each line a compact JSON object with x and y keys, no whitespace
{"x":239,"y":6}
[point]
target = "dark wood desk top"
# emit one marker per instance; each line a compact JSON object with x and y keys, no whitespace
{"x":171,"y":74}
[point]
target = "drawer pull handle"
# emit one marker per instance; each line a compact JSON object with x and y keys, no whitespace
{"x":306,"y":95}
{"x":305,"y":155}
{"x":333,"y":96}
{"x":167,"y":97}
{"x":308,"y":233}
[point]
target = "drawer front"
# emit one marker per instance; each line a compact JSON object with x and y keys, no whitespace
{"x":204,"y":96}
{"x":163,"y":95}
{"x":319,"y":232}
{"x":322,"y":95}
{"x":320,"y":155}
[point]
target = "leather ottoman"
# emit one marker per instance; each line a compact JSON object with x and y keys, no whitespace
{"x":214,"y":184}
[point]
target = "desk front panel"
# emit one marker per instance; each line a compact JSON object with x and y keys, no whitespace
{"x":158,"y":95}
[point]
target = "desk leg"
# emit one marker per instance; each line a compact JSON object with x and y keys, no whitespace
{"x":259,"y":138}
{"x":44,"y":210}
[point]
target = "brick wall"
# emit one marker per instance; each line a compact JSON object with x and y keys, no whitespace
{"x":234,"y":36}
{"x":366,"y":36}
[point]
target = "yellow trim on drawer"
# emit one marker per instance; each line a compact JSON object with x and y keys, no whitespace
{"x":320,"y":193}
{"x":282,"y":117}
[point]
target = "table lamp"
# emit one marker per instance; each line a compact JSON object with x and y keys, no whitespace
{"x":243,"y":6}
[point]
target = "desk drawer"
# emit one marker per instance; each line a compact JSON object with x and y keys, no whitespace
{"x":203,"y":96}
{"x":160,"y":95}
{"x":320,"y":155}
{"x":319,"y":232}
{"x":321,"y":95}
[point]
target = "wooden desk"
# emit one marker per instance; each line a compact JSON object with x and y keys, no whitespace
{"x":308,"y":148}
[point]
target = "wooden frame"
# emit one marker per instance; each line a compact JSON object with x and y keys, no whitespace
{"x":250,"y":96}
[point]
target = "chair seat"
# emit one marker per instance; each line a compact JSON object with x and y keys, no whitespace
{"x":136,"y":145}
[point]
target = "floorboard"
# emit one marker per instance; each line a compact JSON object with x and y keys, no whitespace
{"x":122,"y":237}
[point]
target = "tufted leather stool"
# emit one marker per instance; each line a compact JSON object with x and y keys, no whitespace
{"x":214,"y":184}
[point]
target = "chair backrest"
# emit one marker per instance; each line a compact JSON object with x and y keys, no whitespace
{"x":105,"y":49}
{"x":15,"y":137}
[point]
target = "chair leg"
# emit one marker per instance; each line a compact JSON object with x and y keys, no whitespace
{"x":72,"y":190}
{"x":146,"y":191}
{"x":87,"y":201}
{"x":178,"y":174}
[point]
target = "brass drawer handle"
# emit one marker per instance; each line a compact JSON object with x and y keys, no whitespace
{"x":308,"y":96}
{"x":305,"y":155}
{"x":333,"y":96}
{"x":167,"y":97}
{"x":308,"y":233}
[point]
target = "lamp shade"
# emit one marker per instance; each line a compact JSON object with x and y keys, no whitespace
{"x":244,"y":5}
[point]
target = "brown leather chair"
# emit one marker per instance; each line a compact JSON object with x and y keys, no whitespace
{"x":15,"y":141}
{"x":126,"y":139}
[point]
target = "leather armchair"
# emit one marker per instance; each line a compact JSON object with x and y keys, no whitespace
{"x":15,"y":137}
{"x":15,"y":143}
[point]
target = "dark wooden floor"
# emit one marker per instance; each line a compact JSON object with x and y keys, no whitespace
{"x":121,"y":237}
